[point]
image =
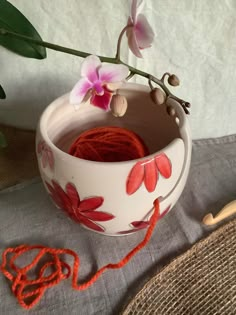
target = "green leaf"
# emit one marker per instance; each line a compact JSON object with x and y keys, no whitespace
{"x":3,"y":142}
{"x":2,"y":93}
{"x":13,"y":20}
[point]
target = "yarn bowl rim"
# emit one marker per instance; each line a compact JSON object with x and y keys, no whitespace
{"x":42,"y":127}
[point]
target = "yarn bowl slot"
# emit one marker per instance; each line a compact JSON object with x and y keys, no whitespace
{"x":114,"y":198}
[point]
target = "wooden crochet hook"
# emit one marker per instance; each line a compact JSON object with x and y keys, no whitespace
{"x":226,"y":212}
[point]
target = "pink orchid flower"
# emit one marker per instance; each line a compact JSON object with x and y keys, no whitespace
{"x":140,"y":34}
{"x":98,"y":81}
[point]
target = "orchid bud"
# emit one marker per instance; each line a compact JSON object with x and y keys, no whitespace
{"x":170,"y":110}
{"x":173,"y":80}
{"x":119,"y":105}
{"x":158,"y":96}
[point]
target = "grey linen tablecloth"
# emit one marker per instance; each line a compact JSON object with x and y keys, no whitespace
{"x":28,"y":216}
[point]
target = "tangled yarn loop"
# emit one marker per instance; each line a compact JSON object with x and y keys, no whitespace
{"x":29,"y":292}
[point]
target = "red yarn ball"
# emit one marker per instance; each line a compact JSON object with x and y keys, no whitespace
{"x":108,"y":144}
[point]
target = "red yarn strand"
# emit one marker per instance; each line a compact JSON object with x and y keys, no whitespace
{"x":24,"y":288}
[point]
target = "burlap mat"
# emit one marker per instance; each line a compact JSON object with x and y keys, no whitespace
{"x":18,"y":161}
{"x":201,"y":281}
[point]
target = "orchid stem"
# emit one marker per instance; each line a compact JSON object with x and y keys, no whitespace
{"x":116,"y":60}
{"x":164,"y":75}
{"x":120,"y":40}
{"x":130,"y":76}
{"x":150,"y":84}
{"x":65,"y":50}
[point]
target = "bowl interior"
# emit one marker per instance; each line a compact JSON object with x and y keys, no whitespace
{"x":151,"y":122}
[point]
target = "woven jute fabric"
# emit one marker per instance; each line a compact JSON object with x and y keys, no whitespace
{"x":18,"y":160}
{"x":201,"y":281}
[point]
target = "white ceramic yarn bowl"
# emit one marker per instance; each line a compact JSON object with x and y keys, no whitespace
{"x":66,"y":177}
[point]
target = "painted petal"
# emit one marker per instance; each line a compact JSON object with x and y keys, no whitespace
{"x":40,"y":146}
{"x":113,"y":73}
{"x":44,"y":159}
{"x":150,"y":176}
{"x":132,"y":42}
{"x":90,"y":204}
{"x":135,"y":178}
{"x":63,"y":196}
{"x":79,"y":91}
{"x":140,"y":224}
{"x":50,"y":188}
{"x":89,"y":68}
{"x":98,"y":215}
{"x":57,"y":201}
{"x":90,"y":224}
{"x":163,"y":165}
{"x":54,"y":196}
{"x":102,"y":101}
{"x":73,"y":195}
{"x":50,"y":158}
{"x":143,"y":32}
{"x":128,"y":231}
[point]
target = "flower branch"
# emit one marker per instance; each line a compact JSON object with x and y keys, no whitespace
{"x":52,"y":46}
{"x":164,"y":76}
{"x":130,"y":76}
{"x":133,"y":71}
{"x":161,"y":83}
{"x":120,"y":40}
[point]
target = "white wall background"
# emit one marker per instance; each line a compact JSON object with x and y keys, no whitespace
{"x":196,"y":39}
